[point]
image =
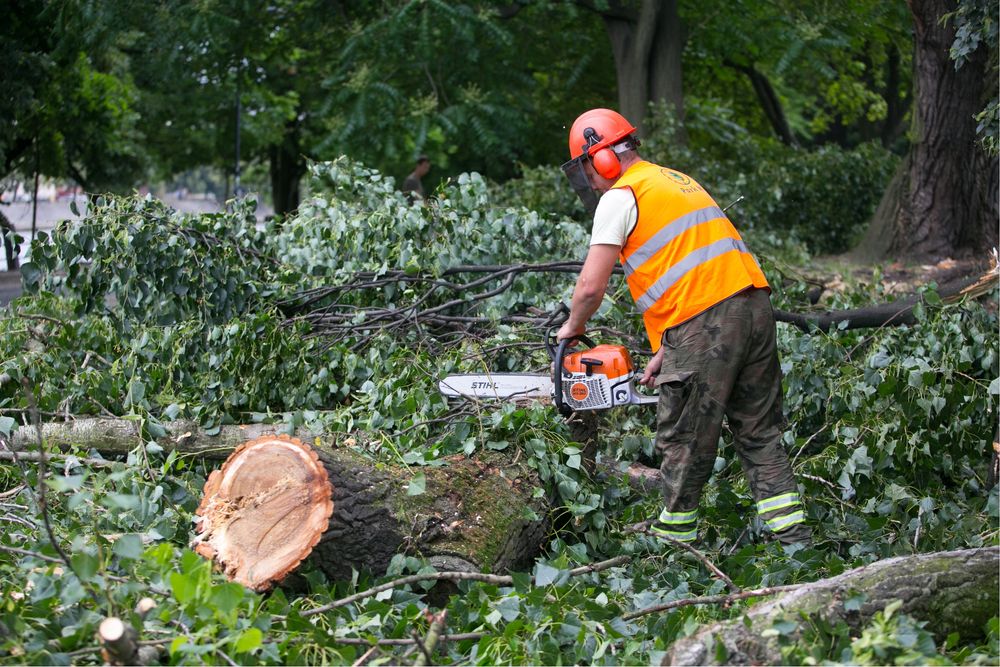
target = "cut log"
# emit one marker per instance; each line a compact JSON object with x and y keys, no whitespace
{"x":264,"y":510}
{"x":119,"y":642}
{"x":479,"y":513}
{"x":476,"y":514}
{"x":955,"y":591}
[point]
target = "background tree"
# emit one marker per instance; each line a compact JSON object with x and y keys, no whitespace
{"x":809,"y":75}
{"x":943,"y":199}
{"x":68,"y":108}
{"x":647,"y":40}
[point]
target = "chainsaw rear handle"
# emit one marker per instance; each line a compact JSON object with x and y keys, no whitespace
{"x":558,"y":353}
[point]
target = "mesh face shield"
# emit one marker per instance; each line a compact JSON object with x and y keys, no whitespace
{"x":576,"y":172}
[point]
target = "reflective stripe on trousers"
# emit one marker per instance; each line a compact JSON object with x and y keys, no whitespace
{"x":680,"y":526}
{"x":792,"y":514}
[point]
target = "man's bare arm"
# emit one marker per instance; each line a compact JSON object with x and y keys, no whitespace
{"x":590,"y":288}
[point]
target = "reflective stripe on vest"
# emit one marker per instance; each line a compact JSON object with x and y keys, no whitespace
{"x":668,"y":234}
{"x":683,"y":256}
{"x":677,"y":271}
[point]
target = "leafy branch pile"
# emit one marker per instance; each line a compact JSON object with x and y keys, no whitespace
{"x":146,"y":314}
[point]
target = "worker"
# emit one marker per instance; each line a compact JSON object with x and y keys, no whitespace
{"x":413,"y":186}
{"x":707,"y":311}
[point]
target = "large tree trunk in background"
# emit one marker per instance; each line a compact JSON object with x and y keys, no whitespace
{"x":647,"y":48}
{"x":942,"y":202}
{"x":954,"y":591}
{"x":286,"y":167}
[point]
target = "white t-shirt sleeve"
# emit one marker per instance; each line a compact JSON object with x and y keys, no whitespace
{"x":614,"y":218}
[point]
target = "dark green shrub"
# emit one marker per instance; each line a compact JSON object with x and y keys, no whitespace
{"x":823,"y":196}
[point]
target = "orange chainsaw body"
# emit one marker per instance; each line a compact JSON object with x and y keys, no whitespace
{"x":598,"y":378}
{"x":614,"y":361}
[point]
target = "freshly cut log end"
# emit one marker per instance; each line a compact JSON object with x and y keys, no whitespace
{"x":264,"y":510}
{"x":119,"y":642}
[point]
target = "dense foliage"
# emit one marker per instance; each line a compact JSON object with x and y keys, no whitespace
{"x":888,"y":432}
{"x":795,"y":196}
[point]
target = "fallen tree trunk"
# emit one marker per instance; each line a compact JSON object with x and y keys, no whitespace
{"x":955,"y":591}
{"x":477,"y":513}
{"x":896,"y":313}
{"x":118,"y":437}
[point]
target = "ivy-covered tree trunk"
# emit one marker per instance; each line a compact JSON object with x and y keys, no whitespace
{"x":647,"y":46}
{"x":955,"y":591}
{"x":943,"y":198}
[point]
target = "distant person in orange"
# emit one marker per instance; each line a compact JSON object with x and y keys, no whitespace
{"x":413,"y":187}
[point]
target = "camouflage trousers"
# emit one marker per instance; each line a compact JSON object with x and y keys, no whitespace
{"x":724,"y":362}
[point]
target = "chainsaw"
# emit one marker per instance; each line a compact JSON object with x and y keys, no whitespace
{"x":597,"y":378}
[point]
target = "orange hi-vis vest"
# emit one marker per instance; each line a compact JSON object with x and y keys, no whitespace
{"x":683,"y":256}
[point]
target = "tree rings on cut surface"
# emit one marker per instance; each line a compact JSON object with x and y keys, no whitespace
{"x":264,"y":510}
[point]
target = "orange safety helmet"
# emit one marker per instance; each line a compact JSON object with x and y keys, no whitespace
{"x":595,"y":133}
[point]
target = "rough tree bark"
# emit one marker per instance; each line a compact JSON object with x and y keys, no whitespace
{"x":956,"y":591}
{"x":647,"y":46}
{"x":943,"y":199}
{"x":475,"y":514}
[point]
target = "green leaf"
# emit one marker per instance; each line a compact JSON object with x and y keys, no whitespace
{"x":855,"y":602}
{"x":785,"y":627}
{"x":183,"y":587}
{"x":417,"y":485}
{"x":545,"y":574}
{"x":128,"y":546}
{"x":84,"y":565}
{"x":226,"y":597}
{"x":31,"y":275}
{"x":522,"y":581}
{"x":250,"y":640}
{"x":177,"y":644}
{"x":721,"y":652}
{"x":892,"y":608}
{"x":122,"y":501}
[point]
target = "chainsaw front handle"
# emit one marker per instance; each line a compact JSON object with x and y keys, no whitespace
{"x":558,"y":353}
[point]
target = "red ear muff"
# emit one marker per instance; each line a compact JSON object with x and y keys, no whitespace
{"x":606,"y":163}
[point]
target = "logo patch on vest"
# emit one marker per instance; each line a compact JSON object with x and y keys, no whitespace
{"x":680,"y":179}
{"x":676,"y":177}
